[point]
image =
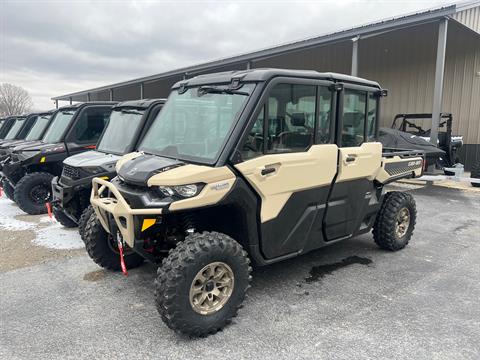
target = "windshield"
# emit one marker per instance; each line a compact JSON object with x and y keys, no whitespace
{"x":37,"y":129}
{"x":59,"y":124}
{"x":194,"y":125}
{"x":15,"y":129}
{"x":121,"y":130}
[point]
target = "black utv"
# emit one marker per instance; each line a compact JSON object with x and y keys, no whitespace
{"x":30,"y":169}
{"x":448,"y":145}
{"x":16,"y":130}
{"x":31,"y":129}
{"x":71,"y":191}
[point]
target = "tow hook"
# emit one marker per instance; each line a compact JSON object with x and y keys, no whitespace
{"x":122,"y":260}
{"x":49,"y":209}
{"x":1,"y":191}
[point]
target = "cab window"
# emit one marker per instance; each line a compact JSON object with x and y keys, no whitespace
{"x":291,"y":118}
{"x":90,"y":125}
{"x":324,"y":115}
{"x":253,"y":144}
{"x":354,"y":115}
{"x":297,"y":116}
{"x":372,"y":116}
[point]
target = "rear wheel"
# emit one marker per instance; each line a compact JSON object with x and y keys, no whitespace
{"x":103,"y":250}
{"x":475,"y":173}
{"x":63,"y":219}
{"x":33,"y":191}
{"x":82,"y":222}
{"x":8,"y":189}
{"x":202,"y":283}
{"x":395,"y":221}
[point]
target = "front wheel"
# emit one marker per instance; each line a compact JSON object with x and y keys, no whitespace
{"x":63,"y":219}
{"x":103,"y":250}
{"x":202,"y":283}
{"x":395,"y":221}
{"x":33,"y":191}
{"x":475,"y":173}
{"x":82,"y":222}
{"x":8,"y":189}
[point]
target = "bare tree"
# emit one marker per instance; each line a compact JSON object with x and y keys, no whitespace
{"x":14,"y":100}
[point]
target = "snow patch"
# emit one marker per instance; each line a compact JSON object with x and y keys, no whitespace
{"x":56,"y":236}
{"x":49,"y":233}
{"x":8,"y":211}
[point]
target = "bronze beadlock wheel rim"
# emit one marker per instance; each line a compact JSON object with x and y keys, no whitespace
{"x":403,"y":222}
{"x":211,"y":288}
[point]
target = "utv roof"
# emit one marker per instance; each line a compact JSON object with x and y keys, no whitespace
{"x":80,"y":105}
{"x":41,"y":113}
{"x":257,"y":75}
{"x":143,"y":104}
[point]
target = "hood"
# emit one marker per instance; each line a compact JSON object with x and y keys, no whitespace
{"x":91,"y":158}
{"x":13,"y":143}
{"x":37,"y":146}
{"x":26,"y":144}
{"x":141,"y":168}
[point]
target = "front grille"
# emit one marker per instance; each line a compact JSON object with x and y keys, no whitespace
{"x":71,"y":172}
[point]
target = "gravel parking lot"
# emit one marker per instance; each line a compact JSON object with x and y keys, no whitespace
{"x":347,"y":301}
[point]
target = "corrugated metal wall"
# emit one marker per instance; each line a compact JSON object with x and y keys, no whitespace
{"x":461,"y":91}
{"x":402,"y":61}
{"x":335,"y":57}
{"x":469,"y":18}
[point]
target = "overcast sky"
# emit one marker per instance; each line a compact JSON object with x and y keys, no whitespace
{"x":56,"y":47}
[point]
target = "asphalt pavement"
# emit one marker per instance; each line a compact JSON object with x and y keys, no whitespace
{"x":347,"y":301}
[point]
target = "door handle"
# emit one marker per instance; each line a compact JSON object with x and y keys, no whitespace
{"x":269,"y":170}
{"x":350,"y":158}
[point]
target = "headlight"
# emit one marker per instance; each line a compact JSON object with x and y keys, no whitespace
{"x":184,"y":191}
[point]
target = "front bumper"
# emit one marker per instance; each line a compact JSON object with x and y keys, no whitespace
{"x":115,"y":208}
{"x":68,"y":198}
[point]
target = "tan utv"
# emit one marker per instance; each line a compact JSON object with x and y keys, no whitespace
{"x":249,"y":167}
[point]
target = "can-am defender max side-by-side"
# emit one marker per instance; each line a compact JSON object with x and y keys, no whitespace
{"x":251,"y":166}
{"x":71,"y":191}
{"x":30,"y":169}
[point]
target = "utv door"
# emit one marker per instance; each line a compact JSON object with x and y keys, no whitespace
{"x":87,"y":129}
{"x":358,"y":163}
{"x":290,"y":160}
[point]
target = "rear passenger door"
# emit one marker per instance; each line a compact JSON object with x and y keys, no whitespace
{"x":290,"y":159}
{"x":359,"y":160}
{"x":87,"y":129}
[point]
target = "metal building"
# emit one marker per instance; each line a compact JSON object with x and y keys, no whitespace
{"x":429,"y":62}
